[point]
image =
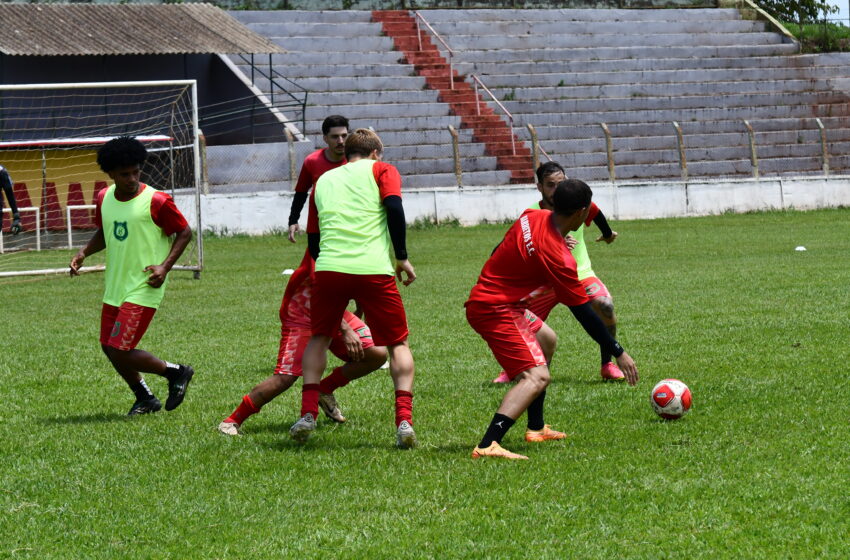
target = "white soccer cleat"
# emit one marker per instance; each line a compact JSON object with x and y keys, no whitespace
{"x":229,"y":429}
{"x":303,"y":428}
{"x":327,"y":402}
{"x":405,"y":437}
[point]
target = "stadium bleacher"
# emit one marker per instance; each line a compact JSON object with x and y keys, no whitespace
{"x":567,"y":71}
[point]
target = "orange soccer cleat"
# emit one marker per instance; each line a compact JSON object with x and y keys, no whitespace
{"x":546,"y":434}
{"x":495,"y":450}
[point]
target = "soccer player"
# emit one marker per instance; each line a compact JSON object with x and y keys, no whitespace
{"x":352,"y":343}
{"x":361,"y":218}
{"x":6,"y":187}
{"x":334,"y":133}
{"x":533,"y":255}
{"x":548,"y":176}
{"x":135,"y":225}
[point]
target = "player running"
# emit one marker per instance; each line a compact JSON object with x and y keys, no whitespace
{"x":360,"y":218}
{"x":533,"y":256}
{"x":548,"y":176}
{"x":135,"y":223}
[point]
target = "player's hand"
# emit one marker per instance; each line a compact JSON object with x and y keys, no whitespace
{"x":294,"y":229}
{"x":76,"y":263}
{"x":628,"y":367}
{"x":608,"y":240}
{"x":157,"y":276}
{"x":16,"y":224}
{"x":570,"y":241}
{"x":353,"y":345}
{"x":407,"y":268}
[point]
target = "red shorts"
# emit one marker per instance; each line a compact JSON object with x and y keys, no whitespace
{"x":543,"y":304}
{"x":377,"y":296}
{"x":509,"y":335}
{"x":594,"y":288}
{"x":123,"y":327}
{"x":293,"y":341}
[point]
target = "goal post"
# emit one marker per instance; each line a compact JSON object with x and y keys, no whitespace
{"x":49,"y":137}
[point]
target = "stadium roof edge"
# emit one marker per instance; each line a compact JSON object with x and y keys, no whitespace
{"x":125,"y":29}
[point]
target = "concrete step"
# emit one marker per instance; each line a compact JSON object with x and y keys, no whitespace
{"x":684,"y":115}
{"x":318,"y":31}
{"x":355,"y":83}
{"x":659,"y":90}
{"x":429,"y":151}
{"x":727,"y":101}
{"x":372,"y":97}
{"x":465,"y":42}
{"x":640,"y":130}
{"x":295,"y":57}
{"x":380,"y":111}
{"x":803,"y":137}
{"x":449,"y":30}
{"x":469,"y":178}
{"x":583,"y":15}
{"x":424,"y":166}
{"x":364,"y":44}
{"x":270,"y":186}
{"x":661,"y":77}
{"x":297,"y":72}
{"x":643,"y":64}
{"x":478,"y":54}
{"x":303,"y":16}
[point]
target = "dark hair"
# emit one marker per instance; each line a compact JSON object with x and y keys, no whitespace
{"x":571,"y":195}
{"x":121,"y":152}
{"x":362,"y":142}
{"x":547,"y":169}
{"x":332,"y":121}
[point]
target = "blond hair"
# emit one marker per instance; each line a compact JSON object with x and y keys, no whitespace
{"x":362,"y":142}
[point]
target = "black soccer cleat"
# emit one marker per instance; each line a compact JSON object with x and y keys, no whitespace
{"x":177,"y":387}
{"x":146,"y":406}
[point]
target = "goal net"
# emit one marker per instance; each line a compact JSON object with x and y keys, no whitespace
{"x":49,"y":137}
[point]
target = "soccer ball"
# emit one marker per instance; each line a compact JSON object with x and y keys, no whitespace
{"x":670,"y":399}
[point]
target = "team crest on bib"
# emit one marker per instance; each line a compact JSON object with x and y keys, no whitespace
{"x":120,"y":231}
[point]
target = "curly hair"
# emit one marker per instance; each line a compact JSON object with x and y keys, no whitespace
{"x":121,"y":152}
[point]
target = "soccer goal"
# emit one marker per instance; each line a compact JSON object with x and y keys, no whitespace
{"x":49,"y":137}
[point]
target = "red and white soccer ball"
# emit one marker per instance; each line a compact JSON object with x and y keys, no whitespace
{"x":671,"y":399}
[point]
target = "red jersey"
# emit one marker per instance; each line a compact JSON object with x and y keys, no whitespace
{"x":531,"y":258}
{"x":164,"y":212}
{"x":295,"y":308}
{"x":314,"y":166}
{"x":594,"y":210}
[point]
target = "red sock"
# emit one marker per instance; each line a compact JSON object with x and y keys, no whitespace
{"x":334,"y":381}
{"x":245,"y":409}
{"x":403,"y":407}
{"x":310,"y":399}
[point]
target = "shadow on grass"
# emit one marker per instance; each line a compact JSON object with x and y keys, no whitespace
{"x":96,"y":418}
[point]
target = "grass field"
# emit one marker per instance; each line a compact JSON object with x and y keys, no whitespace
{"x":758,"y":468}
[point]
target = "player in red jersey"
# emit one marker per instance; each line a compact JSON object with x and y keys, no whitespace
{"x":144,"y":234}
{"x":533,"y":256}
{"x":548,"y":176}
{"x":334,"y":133}
{"x":361,"y":220}
{"x":352,"y":343}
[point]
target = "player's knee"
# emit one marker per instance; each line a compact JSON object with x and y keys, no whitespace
{"x":539,"y":378}
{"x":376,"y":355}
{"x":282,"y":383}
{"x":605,"y":308}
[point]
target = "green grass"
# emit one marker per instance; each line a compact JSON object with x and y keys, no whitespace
{"x":820,"y":37}
{"x":758,"y":468}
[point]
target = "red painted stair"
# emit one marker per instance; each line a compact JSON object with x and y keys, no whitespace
{"x":487,"y":127}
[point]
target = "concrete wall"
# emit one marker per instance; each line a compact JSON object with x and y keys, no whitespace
{"x":259,"y":213}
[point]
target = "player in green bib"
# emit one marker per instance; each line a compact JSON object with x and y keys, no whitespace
{"x":548,"y":176}
{"x":144,"y":234}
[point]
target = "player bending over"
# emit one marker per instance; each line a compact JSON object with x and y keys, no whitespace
{"x":135,"y":223}
{"x":548,"y":176}
{"x":352,"y":343}
{"x":533,"y":255}
{"x":360,"y":218}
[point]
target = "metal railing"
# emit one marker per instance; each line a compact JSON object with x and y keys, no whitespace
{"x":279,"y":96}
{"x":478,"y":83}
{"x":419,"y":17}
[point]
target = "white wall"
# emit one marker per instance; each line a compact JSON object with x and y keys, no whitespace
{"x":260,"y":213}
